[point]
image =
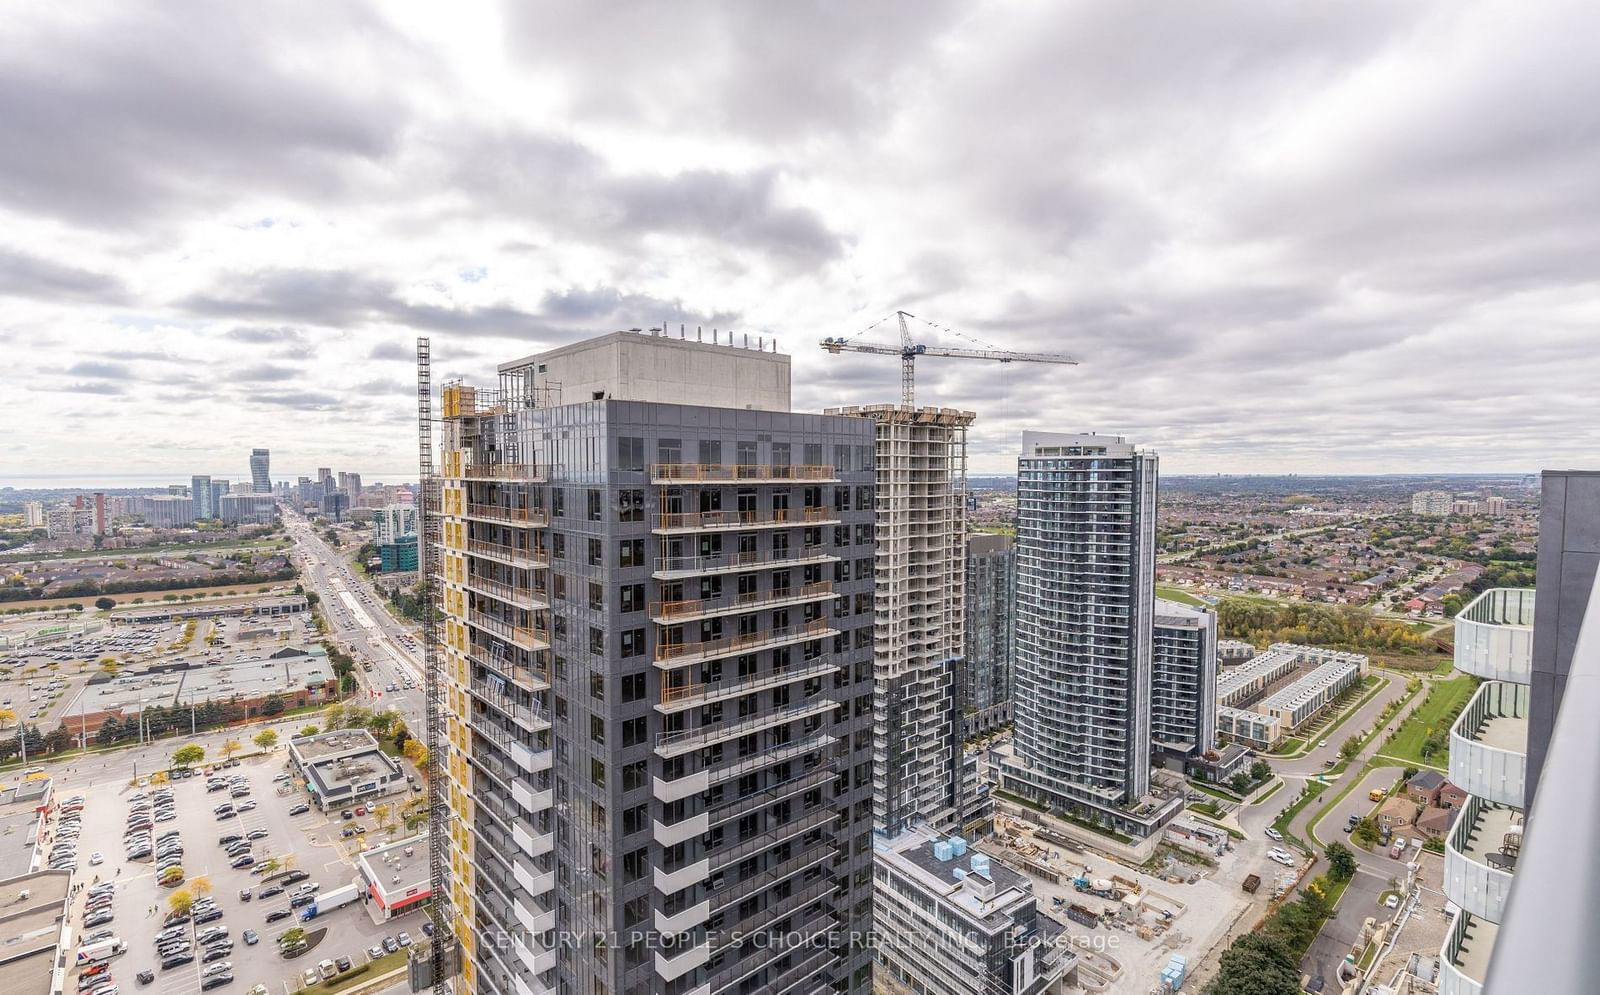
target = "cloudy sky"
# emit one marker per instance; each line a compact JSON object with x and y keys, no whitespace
{"x":1355,"y":236}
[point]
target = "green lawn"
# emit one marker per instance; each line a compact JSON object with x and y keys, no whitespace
{"x":360,"y":974}
{"x":181,"y":548}
{"x":1179,"y":595}
{"x":1281,"y":823}
{"x":1445,"y":698}
{"x":1289,"y":747}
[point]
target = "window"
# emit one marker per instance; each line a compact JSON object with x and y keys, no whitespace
{"x":841,"y":457}
{"x":597,"y":640}
{"x":841,"y":498}
{"x":669,"y":451}
{"x":780,"y":454}
{"x":597,"y":553}
{"x":710,"y":451}
{"x":597,"y":773}
{"x":558,"y":546}
{"x":632,"y":599}
{"x":632,"y":642}
{"x":558,"y":503}
{"x":813,"y":454}
{"x":630,"y":452}
{"x":745,"y":453}
{"x":634,"y":731}
{"x":597,"y":687}
{"x":597,"y":729}
{"x":630,"y":505}
{"x":593,"y":504}
{"x":630,"y":553}
{"x":633,"y":687}
{"x":635,"y":775}
{"x":597,"y":595}
{"x":635,"y":819}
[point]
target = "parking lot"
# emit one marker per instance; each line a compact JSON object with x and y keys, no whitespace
{"x":307,"y":842}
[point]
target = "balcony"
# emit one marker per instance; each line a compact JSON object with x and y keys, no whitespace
{"x":526,"y":714}
{"x":674,"y":833}
{"x":741,"y":473}
{"x":683,"y":567}
{"x":533,"y":473}
{"x":720,"y":772}
{"x":532,"y":518}
{"x":677,"y":698}
{"x":530,"y":840}
{"x":518,"y":635}
{"x":532,"y":880}
{"x":672,"y":744}
{"x":681,"y":788}
{"x":1464,"y":957}
{"x":682,"y":922}
{"x":532,"y":558}
{"x":682,"y":961}
{"x":667,"y":612}
{"x":669,"y":523}
{"x":682,"y":654}
{"x":521,"y":597}
{"x":535,"y":919}
{"x":1489,"y":744}
{"x":530,"y":679}
{"x":1494,"y":636}
{"x":1480,"y":855}
{"x":668,"y":882}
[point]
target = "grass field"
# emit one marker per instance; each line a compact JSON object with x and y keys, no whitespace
{"x":180,"y":548}
{"x":1445,"y":699}
{"x":1179,"y":595}
{"x":152,"y":598}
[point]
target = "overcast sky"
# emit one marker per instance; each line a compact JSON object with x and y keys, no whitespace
{"x":1355,"y":236}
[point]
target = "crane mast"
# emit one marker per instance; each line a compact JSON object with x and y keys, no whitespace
{"x":908,"y":351}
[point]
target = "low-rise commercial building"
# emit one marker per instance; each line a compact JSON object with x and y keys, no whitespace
{"x":34,"y":937}
{"x":396,"y":876}
{"x":258,"y":608}
{"x":344,"y":767}
{"x":954,"y":921}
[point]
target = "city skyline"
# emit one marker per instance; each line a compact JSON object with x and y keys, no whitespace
{"x":1288,"y":285}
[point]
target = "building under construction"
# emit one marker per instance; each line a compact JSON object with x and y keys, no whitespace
{"x":653,"y":679}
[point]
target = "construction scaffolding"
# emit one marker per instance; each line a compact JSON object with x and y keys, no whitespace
{"x":441,"y":965}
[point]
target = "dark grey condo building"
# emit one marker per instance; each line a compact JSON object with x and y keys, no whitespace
{"x":658,"y":588}
{"x":986,"y":683}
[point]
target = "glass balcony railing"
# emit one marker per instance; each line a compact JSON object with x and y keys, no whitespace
{"x":1494,"y":636}
{"x":1481,"y":855}
{"x":1489,"y":744}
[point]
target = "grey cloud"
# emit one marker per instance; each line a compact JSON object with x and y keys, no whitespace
{"x":23,"y":275}
{"x":305,"y":400}
{"x":95,"y":368}
{"x":156,"y":109}
{"x":279,"y":335}
{"x":266,"y":373}
{"x":391,"y":350}
{"x":89,"y":387}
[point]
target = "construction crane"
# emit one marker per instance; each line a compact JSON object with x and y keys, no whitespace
{"x":908,"y":351}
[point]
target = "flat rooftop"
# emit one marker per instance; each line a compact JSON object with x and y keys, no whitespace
{"x":913,"y":851}
{"x":331,"y":773}
{"x":30,"y":930}
{"x":310,"y":749}
{"x":392,"y":871}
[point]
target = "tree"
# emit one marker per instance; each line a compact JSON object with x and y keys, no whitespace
{"x":1407,"y":774}
{"x":382,"y":722}
{"x":109,"y":665}
{"x":270,"y":866}
{"x":416,"y":752}
{"x":188,"y":755}
{"x":381,"y":813}
{"x":1260,"y":771}
{"x":292,"y":937}
{"x":1256,"y":964}
{"x":1366,"y":832}
{"x":308,"y":730}
{"x":104,"y":604}
{"x":179,"y":902}
{"x":266,"y":739}
{"x":1351,"y":747}
{"x":1341,"y":862}
{"x":288,"y":861}
{"x":7,"y":716}
{"x":229,"y":748}
{"x":333,"y":715}
{"x":273,"y":705}
{"x":201,"y":885}
{"x":1239,"y":782}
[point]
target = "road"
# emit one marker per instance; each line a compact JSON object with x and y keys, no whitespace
{"x":360,"y":624}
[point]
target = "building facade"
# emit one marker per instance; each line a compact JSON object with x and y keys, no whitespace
{"x":261,"y":471}
{"x":919,"y":573}
{"x":658,"y":640}
{"x":169,"y":511}
{"x":247,"y":509}
{"x":1183,"y":700}
{"x":200,"y":492}
{"x":952,"y":921}
{"x":392,"y":522}
{"x":986,"y":680}
{"x":1086,"y":516}
{"x":1431,"y":502}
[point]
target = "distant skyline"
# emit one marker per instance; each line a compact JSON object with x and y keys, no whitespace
{"x":1317,"y":238}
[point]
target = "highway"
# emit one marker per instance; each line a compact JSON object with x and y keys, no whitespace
{"x":361,"y":625}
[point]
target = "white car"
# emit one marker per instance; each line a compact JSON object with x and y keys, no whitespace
{"x":1391,"y":902}
{"x":1322,"y":744}
{"x":96,"y":859}
{"x":1282,"y":858}
{"x":1273,"y":834}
